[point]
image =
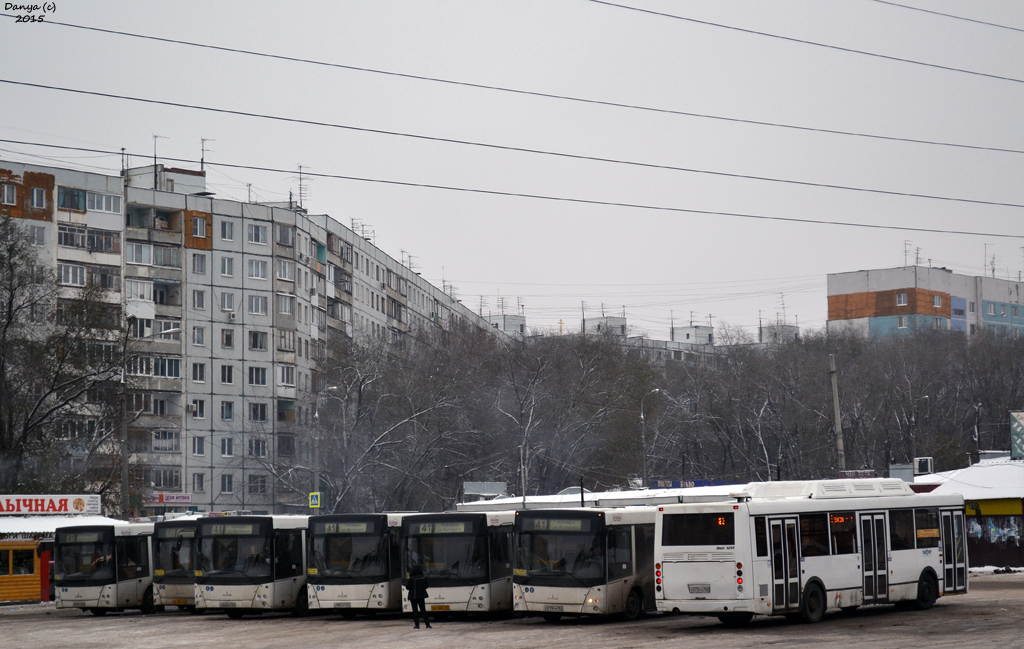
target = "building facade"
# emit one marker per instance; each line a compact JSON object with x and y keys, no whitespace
{"x":231,"y":311}
{"x":902,"y":300}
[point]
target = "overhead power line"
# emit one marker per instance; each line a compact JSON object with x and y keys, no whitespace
{"x":803,"y":41}
{"x":534,"y":93}
{"x":562,"y":199}
{"x":503,"y":147}
{"x":939,"y":13}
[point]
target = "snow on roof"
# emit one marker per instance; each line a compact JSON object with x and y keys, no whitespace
{"x":47,"y":525}
{"x":986,"y":480}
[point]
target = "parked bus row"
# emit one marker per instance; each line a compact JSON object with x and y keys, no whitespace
{"x":787,"y":548}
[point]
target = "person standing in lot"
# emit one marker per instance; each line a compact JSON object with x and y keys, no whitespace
{"x":417,"y":586}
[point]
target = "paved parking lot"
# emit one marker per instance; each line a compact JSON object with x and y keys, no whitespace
{"x":989,"y":616}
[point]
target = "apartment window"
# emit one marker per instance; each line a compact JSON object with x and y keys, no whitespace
{"x":138,"y":290}
{"x":138,"y":253}
{"x":227,"y":374}
{"x":38,"y":234}
{"x":170,"y":257}
{"x":1002,"y":310}
{"x":937,"y":323}
{"x":258,"y":234}
{"x":139,"y":402}
{"x":901,"y":322}
{"x":286,"y":341}
{"x":936,"y":301}
{"x":991,"y":308}
{"x":198,"y":446}
{"x":258,"y":340}
{"x":70,"y":199}
{"x":199,"y":336}
{"x":166,"y":441}
{"x":286,"y":375}
{"x":258,"y":304}
{"x":104,"y":202}
{"x":257,"y":376}
{"x":199,"y":372}
{"x":227,"y":301}
{"x":257,"y":412}
{"x":284,"y":234}
{"x":167,"y":367}
{"x":199,"y":226}
{"x":199,"y":264}
{"x":285,"y":304}
{"x":257,"y":269}
{"x":199,"y":409}
{"x":973,"y":329}
{"x":970,"y":307}
{"x":257,"y":484}
{"x":227,"y":447}
{"x":227,"y":410}
{"x":227,"y":483}
{"x":38,"y":198}
{"x":71,"y":275}
{"x":227,"y":266}
{"x":140,"y":327}
{"x":198,"y":482}
{"x":168,"y":329}
{"x":227,"y":338}
{"x":286,"y":445}
{"x":1015,"y":312}
{"x":257,"y":447}
{"x":901,"y":299}
{"x":7,"y":195}
{"x":227,"y":231}
{"x":286,"y":270}
{"x":163,"y":478}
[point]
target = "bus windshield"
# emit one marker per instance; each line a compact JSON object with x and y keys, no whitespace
{"x":349,"y":552}
{"x":84,"y":557}
{"x":172,"y":549}
{"x":449,"y":553}
{"x":554,"y":551}
{"x":230,"y":551}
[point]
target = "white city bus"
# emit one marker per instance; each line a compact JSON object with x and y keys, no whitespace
{"x":355,"y":562}
{"x":174,"y":575}
{"x":251,"y":564}
{"x":584,"y":561}
{"x":466,"y":558}
{"x":101,"y":568}
{"x":801,"y":548}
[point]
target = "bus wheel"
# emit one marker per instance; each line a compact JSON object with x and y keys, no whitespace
{"x":98,"y":611}
{"x":234,"y":614}
{"x":735,"y":620}
{"x":814,"y":604}
{"x":634,"y":606}
{"x":148,"y":608}
{"x":552,"y":617}
{"x":927,"y":592}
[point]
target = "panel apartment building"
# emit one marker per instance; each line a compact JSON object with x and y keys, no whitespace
{"x":891,"y":301}
{"x":229,"y":307}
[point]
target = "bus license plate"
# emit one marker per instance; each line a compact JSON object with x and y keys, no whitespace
{"x":342,"y":604}
{"x":226,"y":604}
{"x":440,"y":607}
{"x":180,"y":602}
{"x":698,"y":589}
{"x":553,"y":608}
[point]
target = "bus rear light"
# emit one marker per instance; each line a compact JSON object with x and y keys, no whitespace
{"x":739,"y":565}
{"x":657,"y":573}
{"x":657,"y":566}
{"x":658,"y":580}
{"x":739,"y":573}
{"x":739,"y":580}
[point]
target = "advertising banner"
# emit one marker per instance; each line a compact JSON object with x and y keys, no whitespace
{"x":63,"y":504}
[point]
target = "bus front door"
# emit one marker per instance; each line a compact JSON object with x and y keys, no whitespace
{"x":785,"y":564}
{"x":875,"y":562}
{"x":954,"y":552}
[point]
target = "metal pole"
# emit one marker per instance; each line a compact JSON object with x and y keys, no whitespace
{"x":835,"y":405}
{"x":125,"y":500}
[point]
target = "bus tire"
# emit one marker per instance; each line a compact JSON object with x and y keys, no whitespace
{"x":735,"y":620}
{"x":551,"y":617}
{"x":813,"y":607}
{"x":98,"y":612}
{"x":148,"y":608}
{"x":234,"y":614}
{"x":634,"y":608}
{"x":927,"y":592}
{"x":301,"y":604}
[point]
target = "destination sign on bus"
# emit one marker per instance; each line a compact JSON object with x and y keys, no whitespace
{"x":363,"y":527}
{"x":446,"y":527}
{"x":233,"y":529}
{"x":175,"y":532}
{"x":79,"y":537}
{"x":557,"y":524}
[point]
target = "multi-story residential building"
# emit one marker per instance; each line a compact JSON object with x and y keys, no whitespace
{"x":230,"y":308}
{"x":898,"y":300}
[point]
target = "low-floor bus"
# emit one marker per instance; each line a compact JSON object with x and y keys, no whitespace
{"x":101,"y":568}
{"x":251,"y":564}
{"x":584,"y":561}
{"x":355,"y":562}
{"x":801,"y":548}
{"x":174,"y":575}
{"x":466,"y":558}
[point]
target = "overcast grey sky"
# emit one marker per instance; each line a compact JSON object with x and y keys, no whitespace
{"x":552,"y":255}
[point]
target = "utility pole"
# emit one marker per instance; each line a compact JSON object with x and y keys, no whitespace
{"x":835,"y":406}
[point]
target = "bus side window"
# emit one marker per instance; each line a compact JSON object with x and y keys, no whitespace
{"x":901,"y":529}
{"x":927,"y":528}
{"x":761,"y":536}
{"x":813,"y":535}
{"x":844,"y":529}
{"x":289,"y":554}
{"x":620,"y":553}
{"x":501,"y":562}
{"x":394,"y":555}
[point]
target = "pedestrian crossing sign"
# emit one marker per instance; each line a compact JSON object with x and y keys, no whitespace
{"x":314,"y":499}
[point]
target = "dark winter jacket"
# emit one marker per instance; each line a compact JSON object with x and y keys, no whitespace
{"x":417,"y":586}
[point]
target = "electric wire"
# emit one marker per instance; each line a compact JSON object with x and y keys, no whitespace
{"x":945,"y":15}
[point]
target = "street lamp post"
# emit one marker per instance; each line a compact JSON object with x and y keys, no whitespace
{"x":643,"y":436}
{"x":316,"y":439}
